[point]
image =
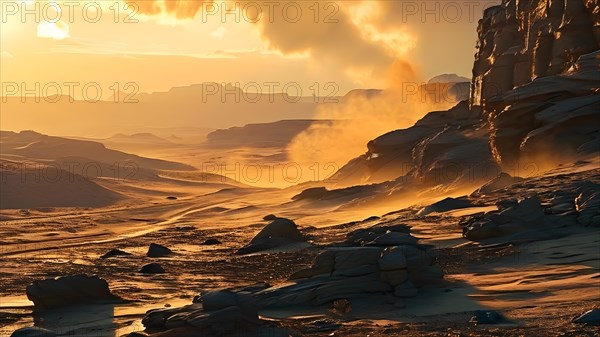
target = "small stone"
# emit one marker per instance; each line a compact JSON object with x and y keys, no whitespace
{"x":156,"y":250}
{"x":114,"y":252}
{"x":488,"y":317}
{"x":211,"y":242}
{"x":152,"y":268}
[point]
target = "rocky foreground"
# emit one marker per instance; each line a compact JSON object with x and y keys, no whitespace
{"x":370,"y":268}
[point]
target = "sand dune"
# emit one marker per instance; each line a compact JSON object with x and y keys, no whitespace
{"x":35,"y":186}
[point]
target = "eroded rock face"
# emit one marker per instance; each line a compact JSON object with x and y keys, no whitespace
{"x":69,"y":290}
{"x":536,"y":77}
{"x":533,"y":104}
{"x":523,"y":40}
{"x":549,"y":121}
{"x":443,"y":148}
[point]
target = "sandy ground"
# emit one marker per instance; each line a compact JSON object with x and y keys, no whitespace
{"x":540,"y":286}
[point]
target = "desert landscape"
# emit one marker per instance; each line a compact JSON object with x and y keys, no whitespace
{"x":383,"y":196}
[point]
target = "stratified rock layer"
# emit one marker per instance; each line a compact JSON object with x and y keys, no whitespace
{"x":520,"y":41}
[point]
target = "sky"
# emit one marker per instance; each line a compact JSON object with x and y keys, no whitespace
{"x":153,"y":45}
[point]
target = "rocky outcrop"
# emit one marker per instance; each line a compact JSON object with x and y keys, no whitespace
{"x":444,"y":147}
{"x":216,"y":313}
{"x":533,"y":104}
{"x":530,"y":219}
{"x":364,"y":267}
{"x":536,"y":77}
{"x":549,"y":121}
{"x":520,"y":41}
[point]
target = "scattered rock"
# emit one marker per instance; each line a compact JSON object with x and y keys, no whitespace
{"x":519,"y":222}
{"x":279,"y":232}
{"x":114,"y":252}
{"x":211,"y":242}
{"x":591,"y":317}
{"x":33,"y":332}
{"x":152,"y":268}
{"x":156,"y":250}
{"x":488,"y":317}
{"x":445,"y":205}
{"x":69,"y":290}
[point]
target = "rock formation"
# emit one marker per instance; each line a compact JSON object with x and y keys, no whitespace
{"x":380,"y":263}
{"x":69,"y":290}
{"x":520,"y":41}
{"x":279,"y":232}
{"x":534,"y":103}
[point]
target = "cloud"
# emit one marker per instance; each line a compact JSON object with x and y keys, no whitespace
{"x":58,"y":30}
{"x":338,"y":35}
{"x":219,"y":33}
{"x":181,"y":9}
{"x":362,"y":116}
{"x":334,"y":34}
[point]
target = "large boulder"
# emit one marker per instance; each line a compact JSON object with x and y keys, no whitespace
{"x":69,"y":290}
{"x":279,"y":232}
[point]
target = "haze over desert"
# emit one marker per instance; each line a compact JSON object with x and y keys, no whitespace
{"x":299,"y":168}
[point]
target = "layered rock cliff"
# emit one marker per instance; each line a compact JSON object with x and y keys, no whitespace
{"x":534,"y":103}
{"x":536,"y":78}
{"x":521,"y":40}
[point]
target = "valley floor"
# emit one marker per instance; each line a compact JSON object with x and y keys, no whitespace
{"x":540,"y":286}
